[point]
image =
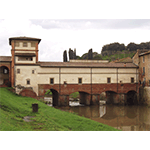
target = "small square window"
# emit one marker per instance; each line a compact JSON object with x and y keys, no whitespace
{"x":51,"y":80}
{"x":24,"y":44}
{"x":18,"y":71}
{"x":28,"y":81}
{"x":32,"y":44}
{"x":17,"y":44}
{"x":132,"y":80}
{"x":32,"y":71}
{"x":108,"y":80}
{"x":80,"y":80}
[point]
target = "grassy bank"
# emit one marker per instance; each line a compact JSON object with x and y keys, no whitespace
{"x":14,"y":108}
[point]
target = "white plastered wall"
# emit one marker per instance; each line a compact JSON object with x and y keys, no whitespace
{"x":42,"y":75}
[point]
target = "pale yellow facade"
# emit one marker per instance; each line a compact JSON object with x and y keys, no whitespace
{"x":20,"y":45}
{"x":26,"y":60}
{"x":71,"y":75}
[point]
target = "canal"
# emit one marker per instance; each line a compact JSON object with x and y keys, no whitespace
{"x":125,"y":118}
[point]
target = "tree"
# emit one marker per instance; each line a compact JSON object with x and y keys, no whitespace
{"x":65,"y":56}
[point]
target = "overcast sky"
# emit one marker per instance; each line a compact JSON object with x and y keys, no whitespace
{"x":61,"y":34}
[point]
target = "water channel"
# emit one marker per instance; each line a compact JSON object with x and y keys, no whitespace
{"x":125,"y":118}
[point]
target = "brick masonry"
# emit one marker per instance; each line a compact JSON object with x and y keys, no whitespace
{"x":28,"y":93}
{"x":89,"y":93}
{"x":6,"y":82}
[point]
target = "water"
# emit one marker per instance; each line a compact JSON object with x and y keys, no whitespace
{"x":125,"y":118}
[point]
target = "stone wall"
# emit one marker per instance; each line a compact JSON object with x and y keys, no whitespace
{"x":144,"y":95}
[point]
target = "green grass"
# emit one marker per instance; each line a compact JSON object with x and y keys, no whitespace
{"x":13,"y":108}
{"x":74,"y":95}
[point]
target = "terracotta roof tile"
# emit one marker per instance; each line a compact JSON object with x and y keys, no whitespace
{"x":25,"y":54}
{"x":5,"y":58}
{"x":141,"y":54}
{"x":23,"y":38}
{"x":86,"y":65}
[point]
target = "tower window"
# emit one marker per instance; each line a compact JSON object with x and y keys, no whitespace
{"x":143,"y":59}
{"x":108,"y":80}
{"x":28,"y":81}
{"x":18,"y":71}
{"x":132,"y":80}
{"x":24,"y":44}
{"x":32,"y":44}
{"x":17,"y":44}
{"x":80,"y":80}
{"x":51,"y":80}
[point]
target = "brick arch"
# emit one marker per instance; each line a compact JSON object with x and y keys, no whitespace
{"x":4,"y":65}
{"x":131,"y":97}
{"x":55,"y":96}
{"x":130,"y":91}
{"x":108,"y":91}
{"x":5,"y":78}
{"x":28,"y":93}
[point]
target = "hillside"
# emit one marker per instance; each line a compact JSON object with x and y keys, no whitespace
{"x":13,"y":109}
{"x":118,"y":55}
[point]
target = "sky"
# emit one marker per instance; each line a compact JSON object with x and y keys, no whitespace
{"x":58,"y":35}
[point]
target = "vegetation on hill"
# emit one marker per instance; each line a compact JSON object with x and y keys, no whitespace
{"x":118,"y":55}
{"x":110,"y":51}
{"x":112,"y":48}
{"x":13,"y":108}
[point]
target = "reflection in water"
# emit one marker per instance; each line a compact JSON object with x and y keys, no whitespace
{"x":126,"y":118}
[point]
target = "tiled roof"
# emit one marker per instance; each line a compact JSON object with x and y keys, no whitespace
{"x":5,"y":58}
{"x":86,"y":65}
{"x":25,"y":54}
{"x":144,"y":53}
{"x":23,"y":38}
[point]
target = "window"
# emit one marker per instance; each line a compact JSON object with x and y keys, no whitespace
{"x":80,"y":80}
{"x":28,"y":81}
{"x":24,"y":44}
{"x":29,"y":59}
{"x":132,"y":80}
{"x":32,"y":71}
{"x":32,"y":44}
{"x":149,"y":82}
{"x":18,"y":71}
{"x":108,"y":80}
{"x":51,"y":80}
{"x":143,"y":59}
{"x":143,"y":71}
{"x":17,"y":44}
{"x":5,"y":71}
